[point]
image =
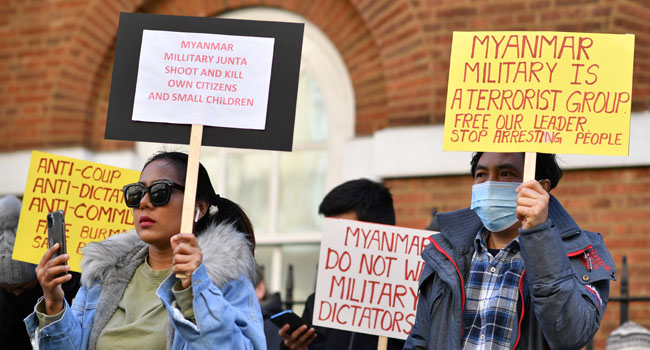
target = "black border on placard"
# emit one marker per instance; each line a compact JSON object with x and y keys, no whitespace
{"x":283,"y":90}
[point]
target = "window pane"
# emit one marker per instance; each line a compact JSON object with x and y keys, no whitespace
{"x":304,"y":258}
{"x":263,"y":256}
{"x":302,"y":187}
{"x":247,"y":184}
{"x":311,"y":119}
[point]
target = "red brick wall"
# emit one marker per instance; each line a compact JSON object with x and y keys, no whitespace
{"x":53,"y":70}
{"x":55,"y":55}
{"x":614,"y":202}
{"x":633,"y":16}
{"x":606,"y":16}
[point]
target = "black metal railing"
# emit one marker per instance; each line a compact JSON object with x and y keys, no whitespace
{"x":625,"y":299}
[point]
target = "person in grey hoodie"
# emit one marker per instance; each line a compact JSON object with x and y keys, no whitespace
{"x":513,"y":271}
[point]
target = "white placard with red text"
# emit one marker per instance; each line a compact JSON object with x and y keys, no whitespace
{"x":368,"y":277}
{"x":199,"y":78}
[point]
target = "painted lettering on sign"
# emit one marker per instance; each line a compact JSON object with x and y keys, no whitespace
{"x":200,"y":78}
{"x":539,"y":92}
{"x":89,"y":193}
{"x":368,"y":277}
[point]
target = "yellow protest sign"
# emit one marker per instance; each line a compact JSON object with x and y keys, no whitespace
{"x":89,"y":193}
{"x":545,"y":92}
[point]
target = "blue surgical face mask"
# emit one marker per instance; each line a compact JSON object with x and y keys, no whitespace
{"x":495,"y":203}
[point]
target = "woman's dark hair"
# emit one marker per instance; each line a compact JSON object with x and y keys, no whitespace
{"x":221,"y":210}
{"x":230,"y":212}
{"x":546,"y":167}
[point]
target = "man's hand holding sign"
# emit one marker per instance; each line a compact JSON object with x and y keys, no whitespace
{"x":524,"y":271}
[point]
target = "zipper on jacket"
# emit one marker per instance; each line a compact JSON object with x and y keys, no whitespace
{"x":523,"y":307}
{"x":462,"y":284}
{"x":434,"y":305}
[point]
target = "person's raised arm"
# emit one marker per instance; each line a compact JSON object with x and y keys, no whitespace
{"x":51,"y":274}
{"x":568,"y":312}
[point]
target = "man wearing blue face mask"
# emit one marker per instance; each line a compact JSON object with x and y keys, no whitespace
{"x":513,"y":271}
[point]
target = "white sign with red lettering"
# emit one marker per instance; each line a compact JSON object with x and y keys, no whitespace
{"x":198,"y":78}
{"x":368,"y":277}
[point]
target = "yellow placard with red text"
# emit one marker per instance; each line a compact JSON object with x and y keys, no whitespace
{"x":89,"y":193}
{"x":548,"y":92}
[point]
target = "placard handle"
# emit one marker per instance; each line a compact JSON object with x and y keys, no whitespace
{"x":530,"y":161}
{"x":382,"y":343}
{"x":191,"y":179}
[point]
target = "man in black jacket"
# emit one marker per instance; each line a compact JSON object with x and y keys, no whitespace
{"x":362,"y":200}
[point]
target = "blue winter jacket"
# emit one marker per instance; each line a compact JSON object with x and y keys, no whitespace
{"x":563,"y":292}
{"x":226,"y":309}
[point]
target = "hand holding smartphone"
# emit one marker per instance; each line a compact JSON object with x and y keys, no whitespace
{"x":56,"y":231}
{"x":52,"y":274}
{"x":288,"y":316}
{"x":291,"y":340}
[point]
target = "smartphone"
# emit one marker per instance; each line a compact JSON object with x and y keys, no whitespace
{"x":288,"y":316}
{"x":56,"y":231}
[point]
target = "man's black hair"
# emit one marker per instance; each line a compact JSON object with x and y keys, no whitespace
{"x":371,"y":201}
{"x":546,"y":167}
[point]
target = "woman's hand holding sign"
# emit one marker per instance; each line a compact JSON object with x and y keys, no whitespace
{"x":187,"y":256}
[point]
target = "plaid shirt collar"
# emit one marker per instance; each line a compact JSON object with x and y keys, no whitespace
{"x":480,"y":243}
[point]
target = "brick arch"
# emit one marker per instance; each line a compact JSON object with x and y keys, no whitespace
{"x":80,"y":95}
{"x":406,"y":57}
{"x":381,"y":43}
{"x":104,"y":14}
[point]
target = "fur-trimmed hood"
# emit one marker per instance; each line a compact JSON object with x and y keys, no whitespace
{"x":227,"y":255}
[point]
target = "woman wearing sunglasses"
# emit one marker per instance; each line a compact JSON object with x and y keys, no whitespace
{"x":130,"y":296}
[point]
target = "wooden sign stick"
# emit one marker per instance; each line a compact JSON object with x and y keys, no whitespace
{"x":382,"y":343}
{"x":530,"y":161}
{"x":191,"y":179}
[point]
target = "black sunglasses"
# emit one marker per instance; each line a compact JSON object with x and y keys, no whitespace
{"x":159,"y":193}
